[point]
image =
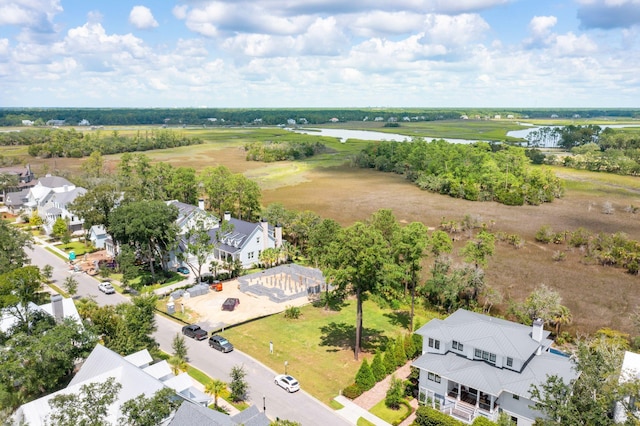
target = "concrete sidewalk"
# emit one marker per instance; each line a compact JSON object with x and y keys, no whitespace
{"x":352,"y":412}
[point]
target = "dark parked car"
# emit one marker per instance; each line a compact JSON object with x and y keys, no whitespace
{"x":230,"y":304}
{"x":220,"y":343}
{"x":194,"y":331}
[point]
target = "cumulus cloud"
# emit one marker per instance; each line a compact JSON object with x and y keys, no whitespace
{"x":142,"y":18}
{"x":540,"y":30}
{"x":609,"y":14}
{"x":36,"y":15}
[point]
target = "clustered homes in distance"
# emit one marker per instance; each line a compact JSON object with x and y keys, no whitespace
{"x":476,"y":365}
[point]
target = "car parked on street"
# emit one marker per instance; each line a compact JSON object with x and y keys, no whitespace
{"x":194,"y":331}
{"x":106,"y":287}
{"x":230,"y":304}
{"x":287,"y":383}
{"x":220,"y":343}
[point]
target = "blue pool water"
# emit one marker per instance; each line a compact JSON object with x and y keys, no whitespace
{"x":557,"y":352}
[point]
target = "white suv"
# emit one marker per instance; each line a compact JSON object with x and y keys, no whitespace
{"x":106,"y":288}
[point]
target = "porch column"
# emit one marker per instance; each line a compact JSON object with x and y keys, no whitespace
{"x":459,"y":391}
{"x":491,"y":407}
{"x":478,"y":398}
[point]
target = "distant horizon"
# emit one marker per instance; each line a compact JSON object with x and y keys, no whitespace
{"x":239,"y":54}
{"x":379,"y":108}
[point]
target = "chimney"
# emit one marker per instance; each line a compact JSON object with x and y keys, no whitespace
{"x":227,"y":216}
{"x":278,"y":236}
{"x":201,"y":203}
{"x":56,"y":307}
{"x":537,"y":330}
{"x":265,"y":233}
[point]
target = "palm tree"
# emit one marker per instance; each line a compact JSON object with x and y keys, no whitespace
{"x":215,"y":387}
{"x":177,"y":365}
{"x":562,"y":317}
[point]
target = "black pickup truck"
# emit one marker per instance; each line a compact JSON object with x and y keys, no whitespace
{"x":194,"y":331}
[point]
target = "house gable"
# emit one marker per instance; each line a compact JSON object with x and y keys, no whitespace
{"x":472,"y":359}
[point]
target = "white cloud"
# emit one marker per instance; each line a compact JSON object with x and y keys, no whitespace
{"x":142,"y":18}
{"x":4,"y":46}
{"x":180,"y":11}
{"x":540,"y":26}
{"x":33,"y":14}
{"x":572,"y":45}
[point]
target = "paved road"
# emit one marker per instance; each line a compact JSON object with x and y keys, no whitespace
{"x":87,"y":285}
{"x":299,"y":406}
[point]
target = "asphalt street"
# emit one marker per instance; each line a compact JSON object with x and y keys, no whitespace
{"x":263,"y":392}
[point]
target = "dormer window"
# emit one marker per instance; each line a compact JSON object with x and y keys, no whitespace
{"x":433,"y":343}
{"x":457,"y":346}
{"x":485,"y":356}
{"x":509,"y":362}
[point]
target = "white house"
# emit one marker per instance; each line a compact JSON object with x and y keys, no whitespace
{"x":60,"y":308}
{"x":245,"y":241}
{"x":50,"y":197}
{"x":98,"y":236}
{"x":476,"y":365}
{"x":23,"y":175}
{"x":135,"y":373}
{"x":630,"y":371}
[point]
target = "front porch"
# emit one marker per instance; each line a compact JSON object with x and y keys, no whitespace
{"x":462,"y":402}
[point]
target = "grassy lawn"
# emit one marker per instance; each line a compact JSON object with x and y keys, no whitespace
{"x":203,"y":379}
{"x":389,"y":415}
{"x":77,"y":247}
{"x":319,"y":345}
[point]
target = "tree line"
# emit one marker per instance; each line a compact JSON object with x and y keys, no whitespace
{"x":47,"y":143}
{"x":202,"y":116}
{"x":269,"y":151}
{"x":592,"y":147}
{"x":477,"y":172}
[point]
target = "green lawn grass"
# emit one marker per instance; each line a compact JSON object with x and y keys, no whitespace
{"x":364,"y":422}
{"x":318,"y":346}
{"x":389,"y":415}
{"x":77,"y":247}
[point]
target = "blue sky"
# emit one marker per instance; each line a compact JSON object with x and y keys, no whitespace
{"x":320,"y":53}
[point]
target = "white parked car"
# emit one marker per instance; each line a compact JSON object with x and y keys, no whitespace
{"x":106,"y":288}
{"x":287,"y":382}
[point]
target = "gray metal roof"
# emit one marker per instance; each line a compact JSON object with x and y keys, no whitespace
{"x":190,"y":414}
{"x":483,"y":332}
{"x":54,"y":181}
{"x":251,"y":417}
{"x":493,"y":380}
{"x":240,"y":232}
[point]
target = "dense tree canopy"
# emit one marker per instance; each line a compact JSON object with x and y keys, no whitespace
{"x":40,"y":361}
{"x":149,"y":226}
{"x":477,"y":172}
{"x":12,"y":245}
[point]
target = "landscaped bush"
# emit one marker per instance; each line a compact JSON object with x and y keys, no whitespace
{"x":389,"y":359}
{"x":352,"y":391}
{"x":483,"y":421}
{"x":292,"y":312}
{"x":401,"y":356}
{"x":427,"y":416}
{"x":409,"y":347}
{"x":395,"y":393}
{"x":377,"y":367}
{"x":364,"y":378}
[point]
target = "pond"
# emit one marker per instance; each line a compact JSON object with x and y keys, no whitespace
{"x":368,"y":135}
{"x":523,"y":133}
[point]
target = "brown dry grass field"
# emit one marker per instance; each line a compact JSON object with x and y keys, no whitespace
{"x":597,"y":296}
